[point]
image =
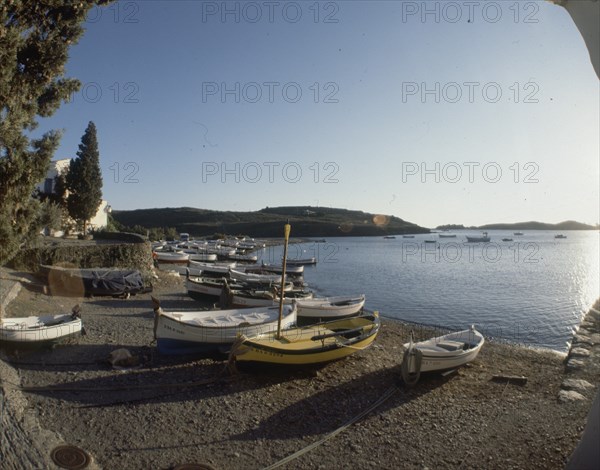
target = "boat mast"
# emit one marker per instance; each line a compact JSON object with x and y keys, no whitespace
{"x":286,"y":234}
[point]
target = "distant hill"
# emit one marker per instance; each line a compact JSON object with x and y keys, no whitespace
{"x":567,"y":225}
{"x":306,"y":221}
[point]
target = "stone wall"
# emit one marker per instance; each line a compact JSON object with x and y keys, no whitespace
{"x":130,"y":253}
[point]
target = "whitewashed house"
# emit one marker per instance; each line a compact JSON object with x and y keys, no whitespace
{"x":100,"y":220}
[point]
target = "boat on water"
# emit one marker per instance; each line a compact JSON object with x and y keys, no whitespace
{"x":320,"y":309}
{"x":518,"y":233}
{"x":447,"y":235}
{"x":246,"y":258}
{"x":43,"y":330}
{"x":430,"y":241}
{"x":196,"y":332}
{"x":507,"y":239}
{"x":389,"y":237}
{"x":440,"y":354}
{"x":309,"y":345}
{"x":560,"y":235}
{"x":483,"y":238}
{"x":408,"y":236}
{"x":301,"y":261}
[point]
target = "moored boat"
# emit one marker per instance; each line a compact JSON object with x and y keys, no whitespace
{"x":263,"y":298}
{"x":171,"y":257}
{"x":560,"y":235}
{"x":483,"y":238}
{"x":194,"y":332}
{"x":301,"y":261}
{"x":447,"y":235}
{"x":276,"y":268}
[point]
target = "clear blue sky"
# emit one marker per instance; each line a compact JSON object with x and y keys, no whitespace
{"x":153,"y":73}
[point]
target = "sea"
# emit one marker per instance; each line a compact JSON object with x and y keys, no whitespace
{"x":532,"y":290}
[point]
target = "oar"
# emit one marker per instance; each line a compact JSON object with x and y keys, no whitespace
{"x":286,"y":234}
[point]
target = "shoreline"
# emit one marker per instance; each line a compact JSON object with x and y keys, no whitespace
{"x":254,"y":420}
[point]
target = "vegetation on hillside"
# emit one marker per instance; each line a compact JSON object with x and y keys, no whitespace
{"x":307,"y":221}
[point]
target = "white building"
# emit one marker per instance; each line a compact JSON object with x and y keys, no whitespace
{"x":100,"y":220}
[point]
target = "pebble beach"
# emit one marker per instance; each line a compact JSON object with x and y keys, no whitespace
{"x":169,"y":411}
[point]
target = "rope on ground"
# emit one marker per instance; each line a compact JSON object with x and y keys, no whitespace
{"x":387,"y":395}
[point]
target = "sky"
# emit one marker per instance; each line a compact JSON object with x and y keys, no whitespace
{"x":436,"y":112}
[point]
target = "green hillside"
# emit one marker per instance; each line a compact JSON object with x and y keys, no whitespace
{"x":306,"y":221}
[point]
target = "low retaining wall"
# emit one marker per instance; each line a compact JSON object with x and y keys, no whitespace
{"x":95,"y":254}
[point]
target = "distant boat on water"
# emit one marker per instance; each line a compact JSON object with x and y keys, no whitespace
{"x":507,"y":239}
{"x":447,"y":235}
{"x":560,"y":235}
{"x":408,"y":236}
{"x":484,"y":238}
{"x":390,"y":237}
{"x":518,"y":233}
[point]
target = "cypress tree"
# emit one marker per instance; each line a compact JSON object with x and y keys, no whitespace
{"x":84,"y":179}
{"x":34,"y":43}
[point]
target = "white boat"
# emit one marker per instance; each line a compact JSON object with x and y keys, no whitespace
{"x":263,"y":298}
{"x":301,"y":261}
{"x":34,"y":331}
{"x":276,"y":268}
{"x":212,"y":268}
{"x":171,"y":257}
{"x":253,"y":277}
{"x":247,"y":258}
{"x":200,"y":256}
{"x":193,"y":332}
{"x":443,"y":353}
{"x":204,"y":286}
{"x":483,"y":238}
{"x":329,"y":308}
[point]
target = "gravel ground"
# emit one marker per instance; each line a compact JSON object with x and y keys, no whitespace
{"x":464,"y":420}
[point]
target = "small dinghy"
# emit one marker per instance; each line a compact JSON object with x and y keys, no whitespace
{"x":440,"y":354}
{"x":39,"y":331}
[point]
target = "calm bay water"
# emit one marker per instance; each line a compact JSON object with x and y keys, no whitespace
{"x":533,"y":290}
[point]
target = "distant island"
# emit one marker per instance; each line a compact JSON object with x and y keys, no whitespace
{"x":567,"y":225}
{"x":306,"y":221}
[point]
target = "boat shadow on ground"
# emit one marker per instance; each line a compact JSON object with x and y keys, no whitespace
{"x":159,"y":380}
{"x":328,"y":409}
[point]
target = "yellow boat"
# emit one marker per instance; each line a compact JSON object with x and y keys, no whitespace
{"x":315,"y":344}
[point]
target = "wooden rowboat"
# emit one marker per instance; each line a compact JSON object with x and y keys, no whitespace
{"x":311,"y":345}
{"x":440,"y":354}
{"x":193,"y":332}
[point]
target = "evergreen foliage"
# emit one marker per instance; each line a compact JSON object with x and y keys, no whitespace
{"x":34,"y":42}
{"x":84,"y":179}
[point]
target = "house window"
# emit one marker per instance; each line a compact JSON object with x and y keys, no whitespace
{"x":48,"y":185}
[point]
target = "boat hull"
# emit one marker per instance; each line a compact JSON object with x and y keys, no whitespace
{"x":435,"y":358}
{"x":310,"y":345}
{"x":21,"y":332}
{"x":176,"y":337}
